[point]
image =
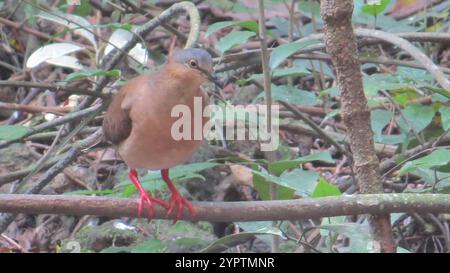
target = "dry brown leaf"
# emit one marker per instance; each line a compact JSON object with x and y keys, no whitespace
{"x":242,"y":174}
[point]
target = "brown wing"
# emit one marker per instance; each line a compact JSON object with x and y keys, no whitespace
{"x":117,"y":122}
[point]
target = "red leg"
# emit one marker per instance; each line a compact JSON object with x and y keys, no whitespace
{"x":144,"y":196}
{"x":176,"y":200}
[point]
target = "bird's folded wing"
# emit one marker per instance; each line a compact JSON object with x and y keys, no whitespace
{"x":117,"y":122}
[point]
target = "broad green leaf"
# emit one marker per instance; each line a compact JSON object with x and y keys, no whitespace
{"x":186,"y":169}
{"x":181,"y":171}
{"x":414,"y":74}
{"x":115,"y":73}
{"x":315,"y":66}
{"x":191,"y":242}
{"x":229,"y":241}
{"x":297,"y":181}
{"x":404,"y":97}
{"x":418,"y":116}
{"x":279,"y":73}
{"x":11,"y":132}
{"x":234,"y":38}
{"x":303,"y":182}
{"x":262,"y":183}
{"x":379,"y":81}
{"x":379,"y":119}
{"x":282,"y":52}
{"x":278,"y":167}
{"x":430,"y":176}
{"x":293,"y":71}
{"x":439,"y":157}
{"x":375,"y":8}
{"x":292,"y":95}
{"x":250,"y":25}
{"x":360,"y":239}
{"x":445,"y":117}
{"x":257,"y":225}
{"x":324,"y":188}
{"x":148,"y":246}
{"x":311,"y":9}
{"x":83,"y":8}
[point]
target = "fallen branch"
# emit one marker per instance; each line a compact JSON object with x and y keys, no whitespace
{"x":232,"y":211}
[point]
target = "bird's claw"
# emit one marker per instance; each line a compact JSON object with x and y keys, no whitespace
{"x":176,"y":203}
{"x":150,"y":211}
{"x":146,"y":198}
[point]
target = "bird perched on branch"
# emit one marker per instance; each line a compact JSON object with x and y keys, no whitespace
{"x":139,"y":122}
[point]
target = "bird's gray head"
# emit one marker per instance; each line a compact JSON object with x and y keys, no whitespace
{"x":195,"y":58}
{"x":199,"y":59}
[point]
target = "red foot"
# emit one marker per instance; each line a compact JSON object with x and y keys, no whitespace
{"x":176,"y":201}
{"x":144,"y":197}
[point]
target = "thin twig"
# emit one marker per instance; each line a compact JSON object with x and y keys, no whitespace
{"x":316,"y":128}
{"x":268,"y":100}
{"x":34,"y":108}
{"x":52,"y":87}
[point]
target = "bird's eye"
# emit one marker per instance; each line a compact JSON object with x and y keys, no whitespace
{"x":193,"y":63}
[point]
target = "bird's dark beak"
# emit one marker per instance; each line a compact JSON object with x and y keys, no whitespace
{"x":213,"y":78}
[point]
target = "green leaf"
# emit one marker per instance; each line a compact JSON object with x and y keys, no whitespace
{"x":257,"y":225}
{"x":229,"y":241}
{"x":297,"y":181}
{"x":294,"y":71}
{"x":379,"y":119}
{"x":310,"y":9}
{"x":430,"y":176}
{"x":279,"y":167}
{"x":232,"y":39}
{"x":303,"y":182}
{"x":192,"y":168}
{"x":82,"y":9}
{"x":439,"y":157}
{"x":250,"y":25}
{"x":115,"y":73}
{"x":445,"y":117}
{"x":11,"y":132}
{"x":152,"y":181}
{"x":383,"y":81}
{"x":262,"y":183}
{"x":292,"y":95}
{"x":359,"y":235}
{"x":377,"y":8}
{"x":282,"y":52}
{"x":324,"y":188}
{"x":418,"y":116}
{"x":148,"y":246}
